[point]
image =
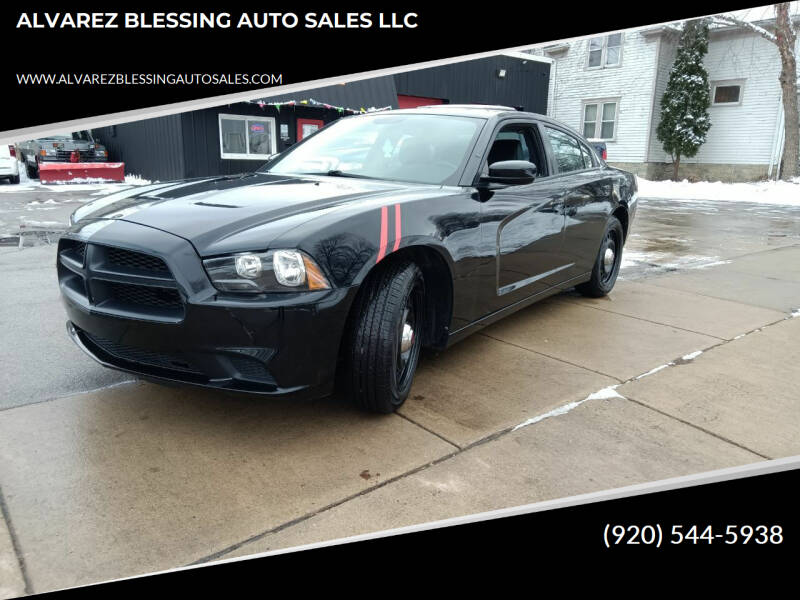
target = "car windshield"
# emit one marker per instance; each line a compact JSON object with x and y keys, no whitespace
{"x":82,"y":136}
{"x":418,"y":148}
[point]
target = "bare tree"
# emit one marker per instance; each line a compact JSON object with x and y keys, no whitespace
{"x":785,"y":38}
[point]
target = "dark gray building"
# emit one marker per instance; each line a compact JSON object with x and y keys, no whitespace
{"x":239,"y":137}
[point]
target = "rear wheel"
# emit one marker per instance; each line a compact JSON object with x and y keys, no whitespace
{"x":606,"y":265}
{"x":385,"y":338}
{"x":14,"y":179}
{"x":33,"y":171}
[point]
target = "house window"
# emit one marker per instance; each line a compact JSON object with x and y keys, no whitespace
{"x":605,"y":51}
{"x":600,"y":120}
{"x":244,"y":137}
{"x":727,"y":92}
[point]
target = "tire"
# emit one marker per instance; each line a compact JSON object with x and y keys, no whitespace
{"x":33,"y":172}
{"x":384,"y":338}
{"x":606,"y":265}
{"x":14,"y":179}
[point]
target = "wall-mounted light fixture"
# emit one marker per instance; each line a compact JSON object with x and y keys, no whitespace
{"x":501,"y":73}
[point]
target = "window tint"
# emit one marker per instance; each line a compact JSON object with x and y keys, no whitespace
{"x":517,"y":142}
{"x":420,"y":148}
{"x":566,"y":151}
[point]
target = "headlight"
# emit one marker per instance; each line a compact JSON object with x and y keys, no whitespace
{"x":273,"y":271}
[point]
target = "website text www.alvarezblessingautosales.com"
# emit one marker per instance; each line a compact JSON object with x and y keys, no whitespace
{"x":259,"y":79}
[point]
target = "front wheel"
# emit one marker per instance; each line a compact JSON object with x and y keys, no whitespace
{"x":385,"y":338}
{"x":606,"y":265}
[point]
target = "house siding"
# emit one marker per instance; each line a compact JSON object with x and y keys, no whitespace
{"x":631,"y":82}
{"x":666,"y":57}
{"x":744,"y":133}
{"x":740,"y":142}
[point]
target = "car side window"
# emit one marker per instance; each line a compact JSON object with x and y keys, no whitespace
{"x":588,"y":161}
{"x":517,"y":141}
{"x":566,"y":151}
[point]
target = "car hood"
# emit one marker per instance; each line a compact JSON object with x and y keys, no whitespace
{"x":215,"y":214}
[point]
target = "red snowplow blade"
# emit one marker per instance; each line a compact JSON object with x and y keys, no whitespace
{"x":69,"y":171}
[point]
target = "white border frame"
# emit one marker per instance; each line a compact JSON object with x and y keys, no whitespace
{"x":727,"y":83}
{"x":600,"y":102}
{"x":248,"y":156}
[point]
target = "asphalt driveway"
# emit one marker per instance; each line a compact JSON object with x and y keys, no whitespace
{"x":691,"y":364}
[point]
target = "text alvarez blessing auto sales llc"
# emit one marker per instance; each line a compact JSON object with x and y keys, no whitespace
{"x":214,"y":20}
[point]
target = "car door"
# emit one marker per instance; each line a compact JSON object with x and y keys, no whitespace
{"x":522,"y":223}
{"x":586,"y":194}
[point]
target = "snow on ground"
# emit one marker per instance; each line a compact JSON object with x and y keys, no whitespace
{"x":604,"y":394}
{"x":74,"y":185}
{"x":760,"y":192}
{"x":668,"y":261}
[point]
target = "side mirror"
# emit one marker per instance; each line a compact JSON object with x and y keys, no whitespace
{"x":511,"y":172}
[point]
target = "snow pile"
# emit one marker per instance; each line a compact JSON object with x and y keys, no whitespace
{"x":761,"y":192}
{"x":50,"y":225}
{"x":136,"y":180}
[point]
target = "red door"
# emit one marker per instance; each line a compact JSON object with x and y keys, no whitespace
{"x":306,"y":127}
{"x":414,"y":101}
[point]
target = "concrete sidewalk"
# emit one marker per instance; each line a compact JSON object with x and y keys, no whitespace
{"x":139,"y":477}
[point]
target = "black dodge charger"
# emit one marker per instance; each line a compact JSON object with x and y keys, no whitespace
{"x":339,"y":259}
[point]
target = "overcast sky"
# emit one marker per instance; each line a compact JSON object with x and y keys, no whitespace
{"x":763,"y":12}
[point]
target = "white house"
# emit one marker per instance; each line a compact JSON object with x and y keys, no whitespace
{"x":610,"y":88}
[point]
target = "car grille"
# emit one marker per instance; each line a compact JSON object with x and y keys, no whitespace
{"x":119,"y":281}
{"x":141,"y":295}
{"x":66,"y":155}
{"x":74,"y":249}
{"x":136,"y":260}
{"x":172,"y":362}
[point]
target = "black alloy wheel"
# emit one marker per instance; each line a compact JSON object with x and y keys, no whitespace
{"x":606,"y":266}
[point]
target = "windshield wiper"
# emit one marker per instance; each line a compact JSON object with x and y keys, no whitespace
{"x":339,"y":173}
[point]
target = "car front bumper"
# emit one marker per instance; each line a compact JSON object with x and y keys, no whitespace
{"x":272,"y":344}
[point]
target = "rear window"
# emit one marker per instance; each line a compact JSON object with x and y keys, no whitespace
{"x":566,"y":151}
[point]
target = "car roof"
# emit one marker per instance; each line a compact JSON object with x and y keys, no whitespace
{"x":484,"y":111}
